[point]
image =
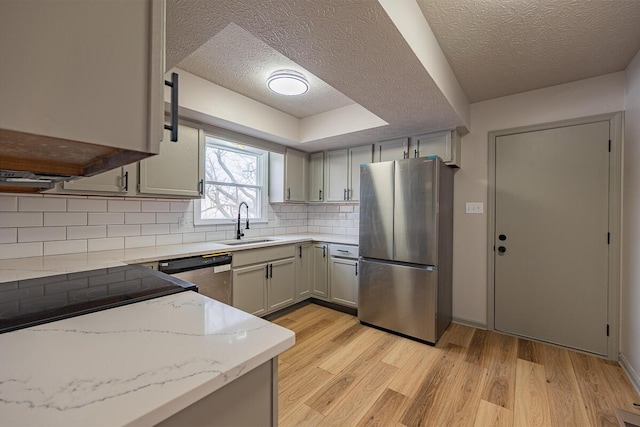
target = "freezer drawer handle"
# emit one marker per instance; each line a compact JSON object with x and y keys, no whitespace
{"x":343,"y":251}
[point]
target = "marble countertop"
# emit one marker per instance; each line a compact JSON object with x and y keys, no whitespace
{"x":28,"y":268}
{"x":131,"y":365}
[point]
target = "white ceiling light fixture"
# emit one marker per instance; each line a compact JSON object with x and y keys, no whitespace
{"x":288,"y":82}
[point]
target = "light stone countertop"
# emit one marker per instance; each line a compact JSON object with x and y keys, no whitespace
{"x":28,"y":268}
{"x":132,"y":365}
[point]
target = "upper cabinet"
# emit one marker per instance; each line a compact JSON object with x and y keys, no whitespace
{"x":82,"y":84}
{"x":179,"y":168}
{"x":288,"y":176}
{"x":445,"y":145}
{"x":342,"y":179}
{"x":119,"y":181}
{"x":316,"y":177}
{"x":396,"y":149}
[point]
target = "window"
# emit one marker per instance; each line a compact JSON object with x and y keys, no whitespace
{"x":233,"y":173}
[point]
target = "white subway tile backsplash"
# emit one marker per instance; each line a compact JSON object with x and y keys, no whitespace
{"x":86,"y":205}
{"x":123,"y":205}
{"x":123,"y":230}
{"x":41,"y":234}
{"x":212,"y":236}
{"x":87,"y":232}
{"x":8,"y":203}
{"x":181,"y":207}
{"x":139,"y":242}
{"x":333,"y":208}
{"x":168,"y":218}
{"x":64,"y":219}
{"x":105,"y":218}
{"x":42,"y":204}
{"x":20,"y":250}
{"x":346,"y":208}
{"x":155,"y":206}
{"x":150,"y":229}
{"x":8,"y":235}
{"x":65,"y":247}
{"x":21,"y":219}
{"x":193,"y":237}
{"x":139,"y":218}
{"x":168,"y":239}
{"x":108,"y":244}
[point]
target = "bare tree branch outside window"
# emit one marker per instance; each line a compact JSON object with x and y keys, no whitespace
{"x":231,"y":176}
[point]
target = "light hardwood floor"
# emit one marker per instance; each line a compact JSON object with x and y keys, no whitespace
{"x":341,"y":373}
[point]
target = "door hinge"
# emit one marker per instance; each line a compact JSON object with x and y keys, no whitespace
{"x":607,"y":329}
{"x":609,"y":145}
{"x":608,"y":238}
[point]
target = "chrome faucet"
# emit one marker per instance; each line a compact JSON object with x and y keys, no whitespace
{"x":239,"y":233}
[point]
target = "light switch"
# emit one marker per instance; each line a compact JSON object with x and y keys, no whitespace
{"x":475,"y":207}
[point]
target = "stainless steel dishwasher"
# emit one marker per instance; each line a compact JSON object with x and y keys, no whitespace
{"x":211,"y":273}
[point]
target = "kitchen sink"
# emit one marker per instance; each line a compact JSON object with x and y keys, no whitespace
{"x":247,"y":242}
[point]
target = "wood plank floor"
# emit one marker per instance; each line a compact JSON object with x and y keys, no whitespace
{"x":341,"y":373}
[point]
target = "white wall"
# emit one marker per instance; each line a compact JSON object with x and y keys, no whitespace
{"x":630,"y":295}
{"x":578,"y":99}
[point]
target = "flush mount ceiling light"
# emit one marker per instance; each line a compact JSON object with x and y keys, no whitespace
{"x":288,"y":82}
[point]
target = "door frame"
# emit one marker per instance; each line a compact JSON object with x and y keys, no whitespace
{"x":616,"y":124}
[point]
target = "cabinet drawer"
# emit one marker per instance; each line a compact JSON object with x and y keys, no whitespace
{"x":255,"y":256}
{"x":344,"y":251}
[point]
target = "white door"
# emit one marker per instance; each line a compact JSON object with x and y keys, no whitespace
{"x":551,"y":235}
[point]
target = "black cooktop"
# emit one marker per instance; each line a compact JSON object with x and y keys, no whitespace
{"x":30,"y":302}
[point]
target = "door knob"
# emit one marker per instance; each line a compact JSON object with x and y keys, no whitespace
{"x":502,"y":249}
{"x":502,"y":237}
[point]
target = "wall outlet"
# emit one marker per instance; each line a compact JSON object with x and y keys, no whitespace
{"x":474,"y":207}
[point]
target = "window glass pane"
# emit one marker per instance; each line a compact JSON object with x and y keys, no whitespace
{"x":223,"y":165}
{"x":222,"y":201}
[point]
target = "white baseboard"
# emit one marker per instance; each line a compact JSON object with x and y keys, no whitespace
{"x":468,"y":322}
{"x":631,"y":373}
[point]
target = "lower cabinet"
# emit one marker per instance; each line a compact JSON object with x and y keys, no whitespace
{"x":344,"y":281}
{"x":320,"y":286}
{"x":304,"y":268}
{"x":262,"y":288}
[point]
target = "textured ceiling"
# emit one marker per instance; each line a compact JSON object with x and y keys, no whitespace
{"x":499,"y":48}
{"x":236,"y":60}
{"x":351,"y":45}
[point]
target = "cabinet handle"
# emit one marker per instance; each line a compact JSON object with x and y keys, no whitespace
{"x":271,"y":274}
{"x":173,"y":127}
{"x":324,"y":252}
{"x":356,"y":268}
{"x":344,"y":194}
{"x":289,"y":193}
{"x":300,"y":249}
{"x":319,"y":194}
{"x":343,"y":251}
{"x":348,"y":194}
{"x":267,"y":276}
{"x":380,"y":156}
{"x":405,"y":154}
{"x":201,"y":187}
{"x":415,"y":153}
{"x":125,"y":178}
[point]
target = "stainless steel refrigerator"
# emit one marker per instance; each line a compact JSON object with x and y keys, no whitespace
{"x":406,"y":248}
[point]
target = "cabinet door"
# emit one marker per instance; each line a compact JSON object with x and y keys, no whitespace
{"x":304,"y":263}
{"x":357,"y":156}
{"x":320,"y":284}
{"x":316,"y":177}
{"x":119,"y":181}
{"x":435,"y":144}
{"x":396,"y":149}
{"x":281,"y":286}
{"x":337,"y":169}
{"x":179,"y":168}
{"x":249,"y":286}
{"x":295,"y":176}
{"x":344,"y":281}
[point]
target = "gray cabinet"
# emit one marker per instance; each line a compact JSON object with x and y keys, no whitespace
{"x":342,"y":181}
{"x":250,"y":289}
{"x":320,"y":288}
{"x":343,"y":274}
{"x":281,"y":285}
{"x":304,"y":268}
{"x":396,"y":149}
{"x":179,"y":168}
{"x":316,"y":177}
{"x":120,"y":181}
{"x":288,"y":176}
{"x":82,"y":72}
{"x":445,"y":145}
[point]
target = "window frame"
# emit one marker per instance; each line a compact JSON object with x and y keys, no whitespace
{"x":262,"y":177}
